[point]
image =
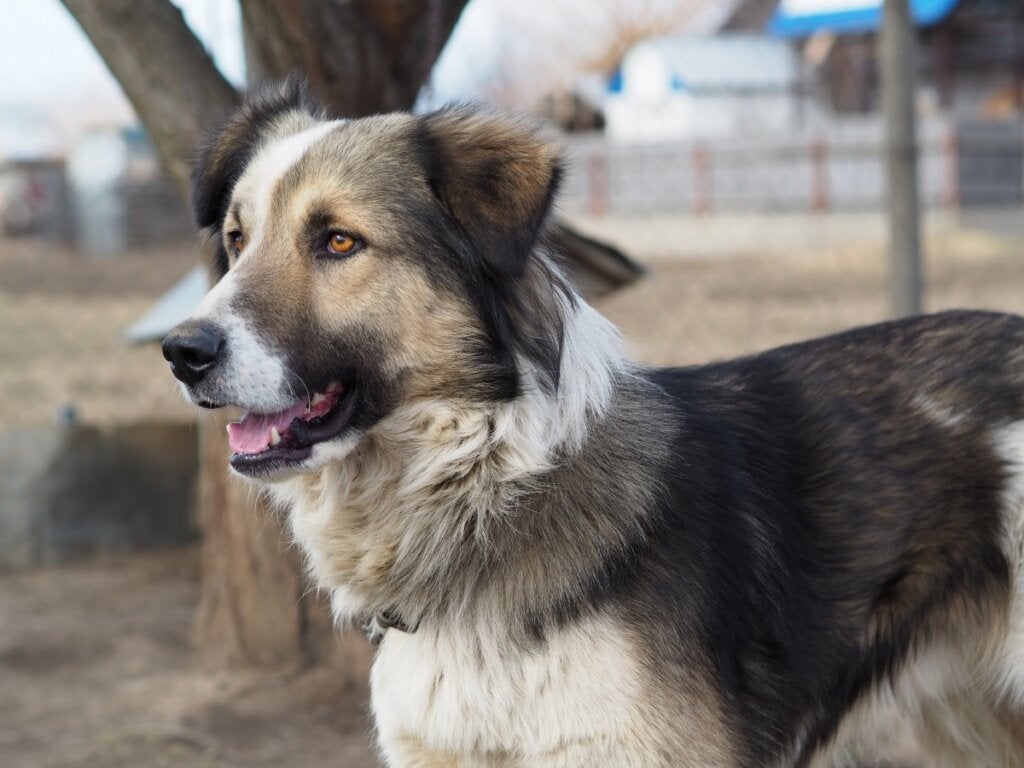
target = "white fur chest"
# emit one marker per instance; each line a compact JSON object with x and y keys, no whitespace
{"x":468,"y":694}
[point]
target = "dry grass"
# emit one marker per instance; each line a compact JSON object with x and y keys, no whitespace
{"x":61,"y":319}
{"x":694,"y":311}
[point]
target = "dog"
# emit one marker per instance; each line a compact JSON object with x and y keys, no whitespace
{"x":569,"y":559}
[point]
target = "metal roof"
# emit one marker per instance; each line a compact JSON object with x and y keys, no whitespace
{"x":802,"y":18}
{"x":173,"y":307}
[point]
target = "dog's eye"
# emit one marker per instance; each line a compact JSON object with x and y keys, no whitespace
{"x":342,"y":244}
{"x":237,"y":241}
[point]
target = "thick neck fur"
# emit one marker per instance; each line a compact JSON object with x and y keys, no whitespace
{"x":462,"y":511}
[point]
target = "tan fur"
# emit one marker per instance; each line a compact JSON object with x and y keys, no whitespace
{"x":374,"y":290}
{"x":475,"y":144}
{"x":429,"y":476}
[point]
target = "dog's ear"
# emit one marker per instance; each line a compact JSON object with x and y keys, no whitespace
{"x":495,"y":175}
{"x":229,"y":148}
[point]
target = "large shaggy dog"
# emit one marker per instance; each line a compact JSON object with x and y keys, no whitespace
{"x":570,"y":560}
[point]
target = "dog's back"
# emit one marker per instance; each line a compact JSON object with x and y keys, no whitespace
{"x":850,"y":512}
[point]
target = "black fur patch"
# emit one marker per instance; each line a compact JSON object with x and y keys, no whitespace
{"x":816,"y":528}
{"x":230,"y":147}
{"x":495,"y":180}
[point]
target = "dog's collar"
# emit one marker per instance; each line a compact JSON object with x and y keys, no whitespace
{"x":382,"y":621}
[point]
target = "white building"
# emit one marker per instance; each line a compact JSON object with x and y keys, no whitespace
{"x":688,"y":87}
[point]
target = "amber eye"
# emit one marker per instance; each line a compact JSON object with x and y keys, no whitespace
{"x":341,"y":244}
{"x":237,"y":241}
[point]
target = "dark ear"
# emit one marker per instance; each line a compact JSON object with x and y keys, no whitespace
{"x":496,"y":175}
{"x":227,"y":149}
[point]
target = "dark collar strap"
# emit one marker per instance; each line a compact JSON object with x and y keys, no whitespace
{"x":389,"y":618}
{"x":383,"y":621}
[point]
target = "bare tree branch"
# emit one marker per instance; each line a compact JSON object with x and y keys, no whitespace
{"x":164,"y":70}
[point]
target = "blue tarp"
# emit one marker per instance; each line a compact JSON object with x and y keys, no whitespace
{"x":802,"y":18}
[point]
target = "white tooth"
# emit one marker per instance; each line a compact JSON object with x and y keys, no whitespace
{"x":317,"y":399}
{"x":275,"y":437}
{"x":334,"y":386}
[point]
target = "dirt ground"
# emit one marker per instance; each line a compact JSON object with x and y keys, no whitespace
{"x":96,"y":667}
{"x":96,"y":671}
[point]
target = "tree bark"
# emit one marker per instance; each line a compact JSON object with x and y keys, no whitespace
{"x":250,"y":608}
{"x":360,"y":57}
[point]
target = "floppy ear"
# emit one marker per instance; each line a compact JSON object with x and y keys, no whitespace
{"x":496,"y":176}
{"x":227,"y":150}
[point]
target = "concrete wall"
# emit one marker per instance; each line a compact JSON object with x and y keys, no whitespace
{"x":68,"y":492}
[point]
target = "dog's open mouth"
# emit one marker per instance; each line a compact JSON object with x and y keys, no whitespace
{"x":265,"y":440}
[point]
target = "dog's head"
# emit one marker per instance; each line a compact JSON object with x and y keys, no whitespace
{"x":362,"y":264}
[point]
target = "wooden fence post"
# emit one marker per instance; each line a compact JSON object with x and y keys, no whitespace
{"x":951,"y":190}
{"x":703,"y":181}
{"x":820,"y":197}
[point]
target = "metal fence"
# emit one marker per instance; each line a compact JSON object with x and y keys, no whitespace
{"x":838,"y":168}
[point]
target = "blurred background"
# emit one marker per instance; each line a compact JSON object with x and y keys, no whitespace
{"x":740,"y":176}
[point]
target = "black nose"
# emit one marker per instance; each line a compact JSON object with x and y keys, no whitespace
{"x":192,"y":349}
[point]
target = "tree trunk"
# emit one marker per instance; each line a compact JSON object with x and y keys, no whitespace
{"x":250,"y":609}
{"x":361,"y":57}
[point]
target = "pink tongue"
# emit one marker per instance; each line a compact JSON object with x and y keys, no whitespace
{"x":252,"y":433}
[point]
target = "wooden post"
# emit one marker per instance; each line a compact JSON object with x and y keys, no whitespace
{"x":951,"y":193}
{"x":703,"y":181}
{"x":820,"y":198}
{"x":898,"y":81}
